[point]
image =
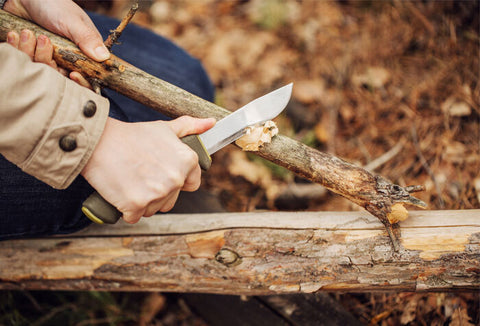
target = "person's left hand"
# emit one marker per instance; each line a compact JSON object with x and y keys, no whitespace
{"x":41,"y":50}
{"x":63,"y":17}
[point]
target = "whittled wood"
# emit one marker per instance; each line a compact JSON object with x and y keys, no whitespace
{"x":374,"y":193}
{"x":254,"y":254}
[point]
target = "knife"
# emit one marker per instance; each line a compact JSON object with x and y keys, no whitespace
{"x":225,"y":131}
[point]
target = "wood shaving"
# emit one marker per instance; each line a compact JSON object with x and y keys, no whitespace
{"x":256,"y":136}
{"x":399,"y":213}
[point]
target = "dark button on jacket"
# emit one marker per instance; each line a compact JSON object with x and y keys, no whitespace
{"x":89,"y":109}
{"x":68,"y":143}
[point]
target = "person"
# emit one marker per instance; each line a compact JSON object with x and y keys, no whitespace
{"x":59,"y":140}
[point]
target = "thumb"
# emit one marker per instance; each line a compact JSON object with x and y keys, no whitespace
{"x":86,"y":36}
{"x":187,"y":125}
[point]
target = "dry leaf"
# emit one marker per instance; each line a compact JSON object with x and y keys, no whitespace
{"x":456,"y":108}
{"x":375,"y":77}
{"x":309,"y":91}
{"x":153,"y":304}
{"x":256,"y":136}
{"x":460,"y":318}
{"x":255,"y":173}
{"x":476,"y":184}
{"x":409,"y":311}
{"x":321,"y":132}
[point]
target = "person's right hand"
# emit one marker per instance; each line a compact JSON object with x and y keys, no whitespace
{"x":140,"y":168}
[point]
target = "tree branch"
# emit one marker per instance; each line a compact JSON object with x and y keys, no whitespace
{"x":373,"y":192}
{"x":115,"y":34}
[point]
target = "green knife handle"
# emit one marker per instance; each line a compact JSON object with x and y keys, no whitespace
{"x":100,"y":211}
{"x":195,"y":143}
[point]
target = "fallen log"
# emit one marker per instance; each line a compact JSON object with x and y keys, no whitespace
{"x":254,"y":254}
{"x":373,"y":192}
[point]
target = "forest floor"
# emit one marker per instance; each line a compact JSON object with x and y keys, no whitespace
{"x":391,"y":85}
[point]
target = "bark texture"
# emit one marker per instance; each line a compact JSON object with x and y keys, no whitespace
{"x":374,"y":193}
{"x":254,"y":254}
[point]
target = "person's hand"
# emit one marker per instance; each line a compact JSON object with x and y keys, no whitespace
{"x":41,"y":50}
{"x":65,"y":18}
{"x":140,"y":168}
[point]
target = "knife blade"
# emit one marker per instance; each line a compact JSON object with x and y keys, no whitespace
{"x":225,"y":131}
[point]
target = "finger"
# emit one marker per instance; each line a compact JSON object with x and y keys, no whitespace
{"x":193,"y":180}
{"x":79,"y":79}
{"x":162,"y":205}
{"x":170,"y":202}
{"x":27,"y":43}
{"x":132,"y":217}
{"x":44,"y":51}
{"x":84,"y":33}
{"x":187,"y":125}
{"x":13,"y":39}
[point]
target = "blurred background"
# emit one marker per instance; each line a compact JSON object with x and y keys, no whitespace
{"x":389,"y":85}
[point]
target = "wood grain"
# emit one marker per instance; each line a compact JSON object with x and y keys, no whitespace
{"x":254,"y":254}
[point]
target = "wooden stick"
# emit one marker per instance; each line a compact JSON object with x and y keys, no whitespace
{"x":115,"y":34}
{"x":373,"y":192}
{"x":254,"y":254}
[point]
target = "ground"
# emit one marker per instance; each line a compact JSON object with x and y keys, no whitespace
{"x":391,"y":80}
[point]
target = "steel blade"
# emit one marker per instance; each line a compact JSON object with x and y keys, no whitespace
{"x":257,"y":111}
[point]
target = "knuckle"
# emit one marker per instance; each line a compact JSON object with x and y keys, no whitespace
{"x":176,"y":180}
{"x":184,"y":118}
{"x":158,"y":191}
{"x":136,"y":203}
{"x":188,"y":156}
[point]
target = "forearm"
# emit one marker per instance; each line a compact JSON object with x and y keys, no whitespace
{"x":42,"y":112}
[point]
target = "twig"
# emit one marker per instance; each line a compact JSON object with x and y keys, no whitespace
{"x":426,"y":166}
{"x":33,"y":301}
{"x":53,"y":312}
{"x":115,"y":34}
{"x":373,"y":165}
{"x":392,"y":236}
{"x":421,"y":17}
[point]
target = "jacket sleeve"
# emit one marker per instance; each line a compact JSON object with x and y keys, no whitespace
{"x":49,"y":125}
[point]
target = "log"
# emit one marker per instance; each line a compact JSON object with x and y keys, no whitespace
{"x":254,"y":254}
{"x":373,"y":192}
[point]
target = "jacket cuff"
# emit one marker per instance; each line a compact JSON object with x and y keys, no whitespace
{"x":67,"y":144}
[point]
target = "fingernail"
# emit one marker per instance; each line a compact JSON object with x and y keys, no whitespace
{"x":41,"y":41}
{"x":24,"y":36}
{"x":102,"y":53}
{"x":11,"y":37}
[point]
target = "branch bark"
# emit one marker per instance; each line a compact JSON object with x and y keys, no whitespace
{"x":373,"y":192}
{"x":253,"y":254}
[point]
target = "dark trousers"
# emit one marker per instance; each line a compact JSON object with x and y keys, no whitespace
{"x":31,"y":208}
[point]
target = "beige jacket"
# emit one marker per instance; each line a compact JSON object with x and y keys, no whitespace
{"x":49,"y":125}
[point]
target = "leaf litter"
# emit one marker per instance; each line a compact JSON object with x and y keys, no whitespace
{"x":367,"y":76}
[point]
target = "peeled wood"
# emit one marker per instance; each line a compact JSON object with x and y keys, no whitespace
{"x":254,"y":254}
{"x":374,"y":193}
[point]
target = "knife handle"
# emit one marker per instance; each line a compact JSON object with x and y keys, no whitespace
{"x":100,"y":211}
{"x":195,"y":143}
